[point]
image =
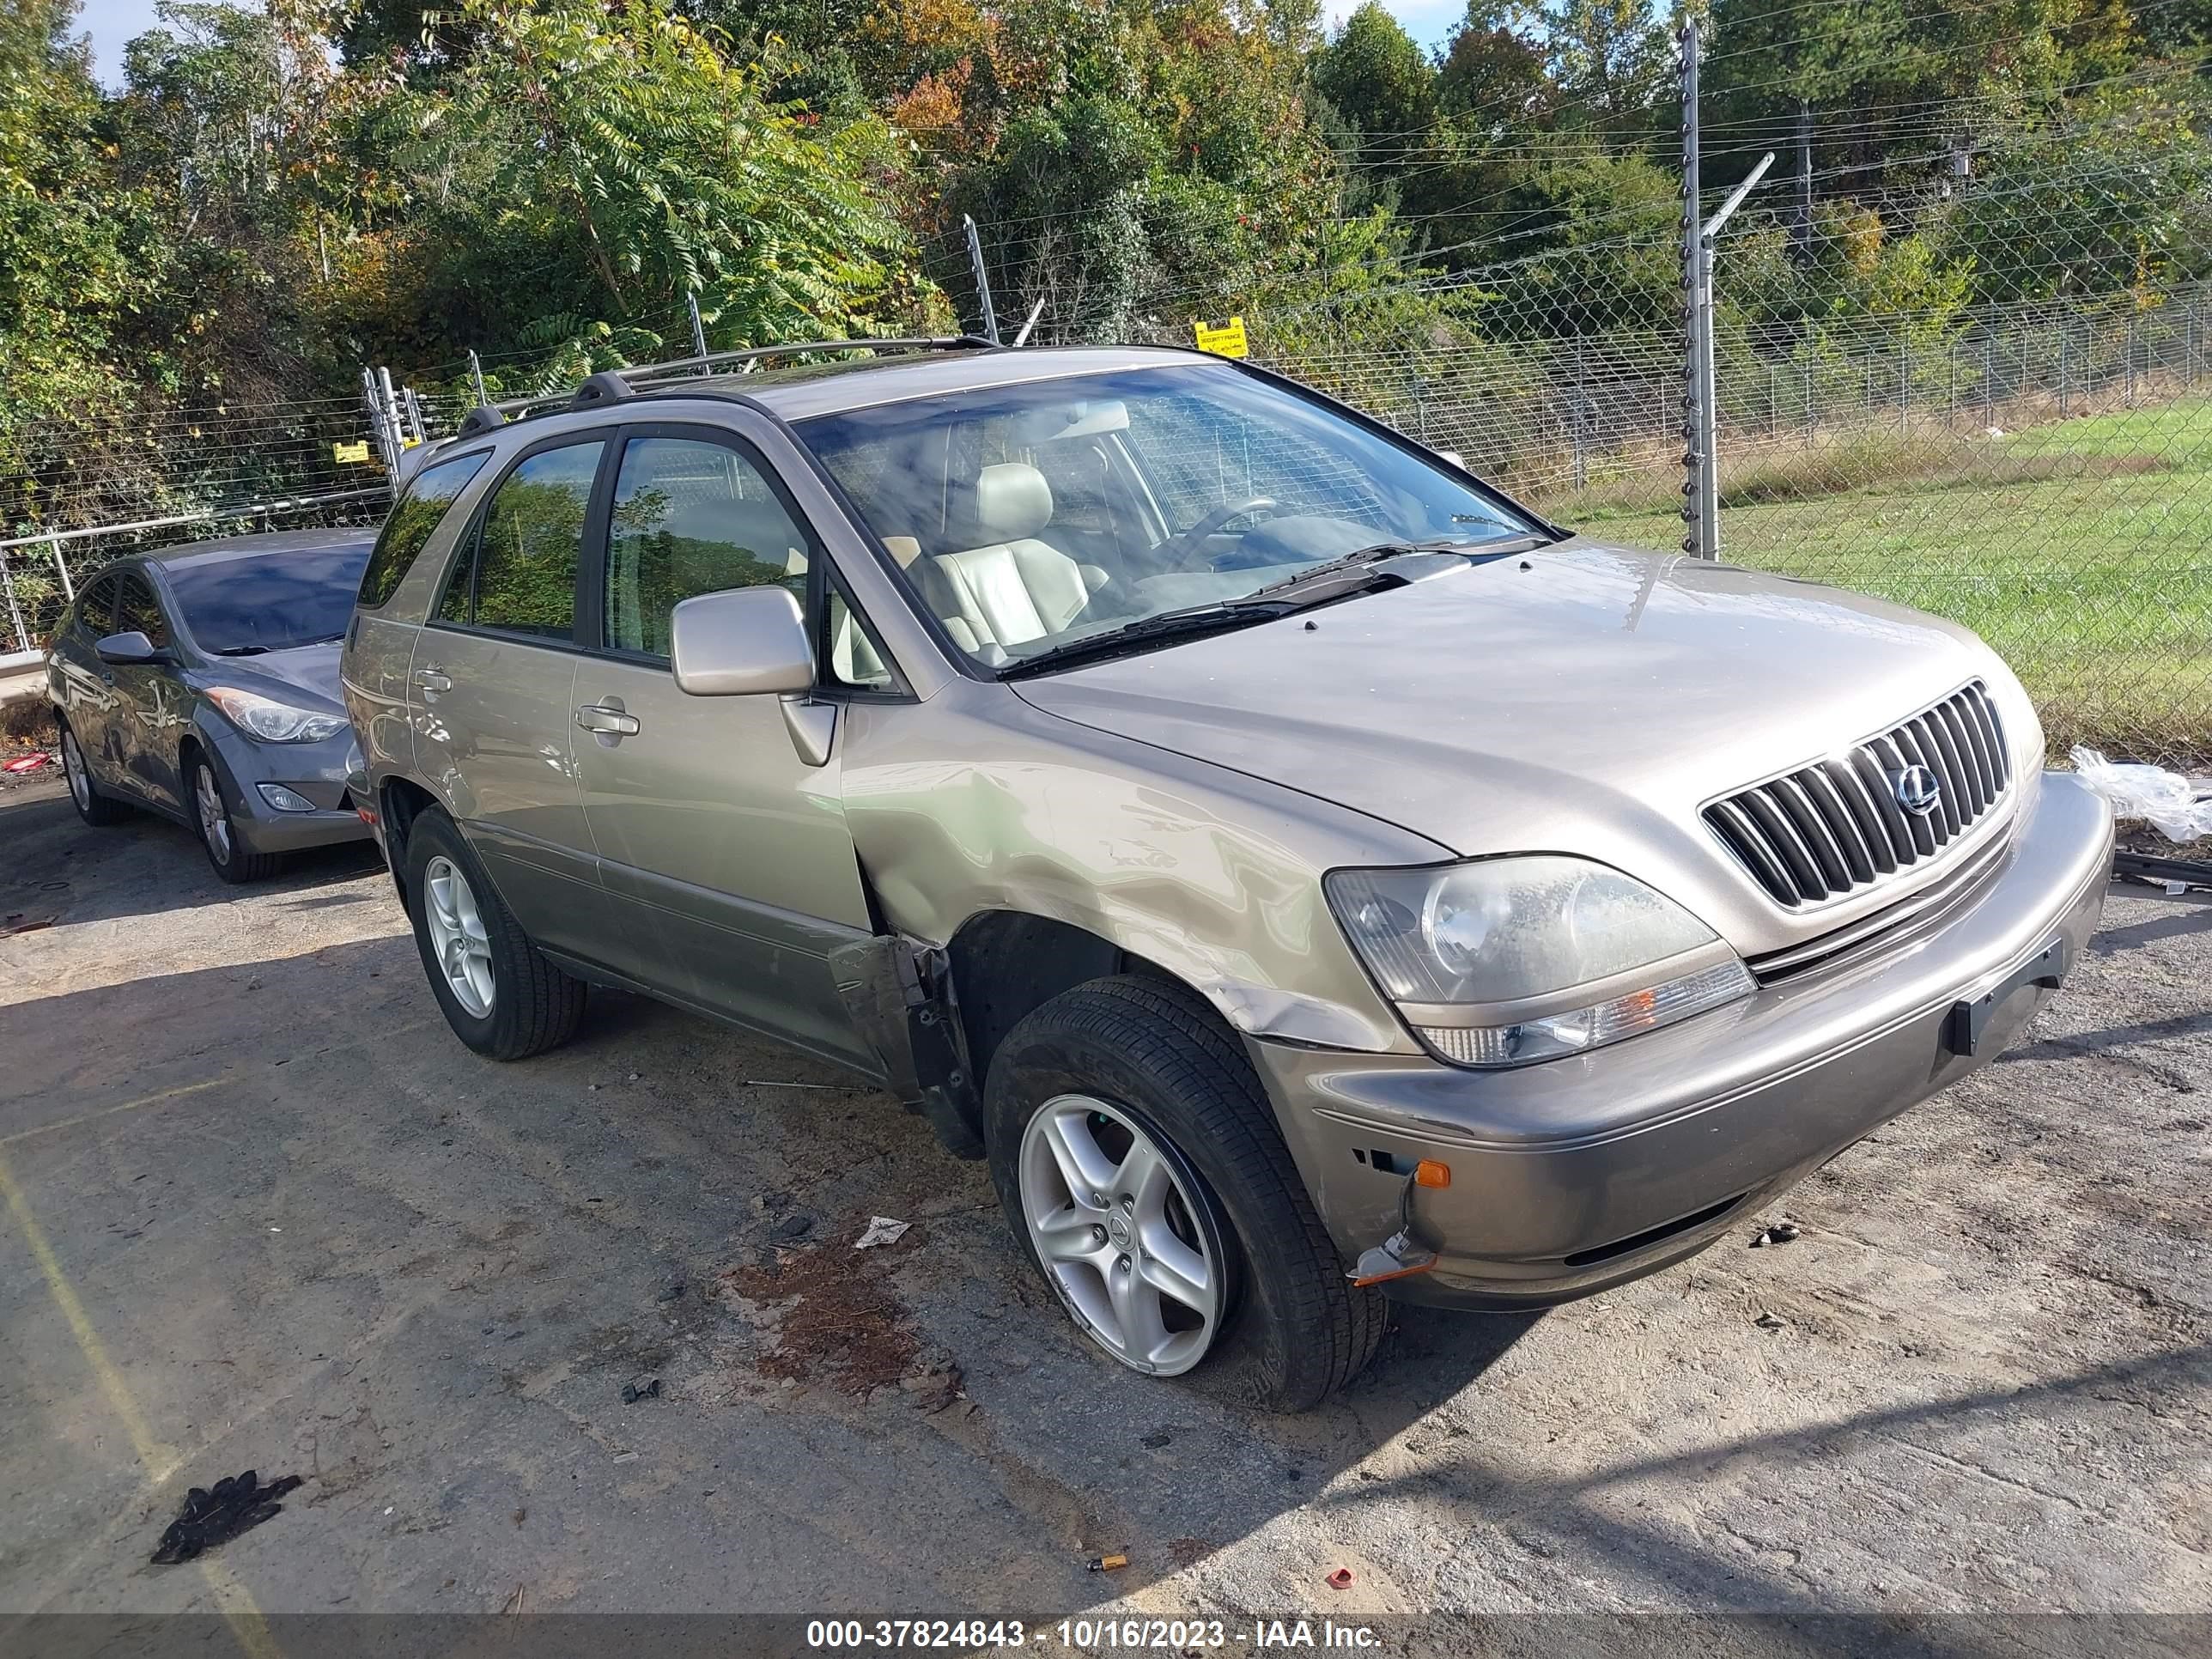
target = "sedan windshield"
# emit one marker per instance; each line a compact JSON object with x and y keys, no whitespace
{"x":269,"y":601}
{"x":1028,"y":518}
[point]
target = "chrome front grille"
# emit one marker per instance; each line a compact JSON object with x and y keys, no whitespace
{"x":1838,"y":826}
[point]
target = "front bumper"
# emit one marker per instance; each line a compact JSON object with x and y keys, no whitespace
{"x":317,"y":772}
{"x":1574,"y":1175}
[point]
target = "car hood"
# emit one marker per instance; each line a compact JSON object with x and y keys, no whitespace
{"x":306,"y":676}
{"x":1585,"y":699}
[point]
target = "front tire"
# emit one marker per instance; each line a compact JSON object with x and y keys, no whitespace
{"x":496,"y":989}
{"x":94,"y":808}
{"x":217,"y":827}
{"x":1131,"y":1089}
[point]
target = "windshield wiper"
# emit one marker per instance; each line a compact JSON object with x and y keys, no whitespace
{"x":243,"y":651}
{"x":1168,"y":624}
{"x":1316,"y":575}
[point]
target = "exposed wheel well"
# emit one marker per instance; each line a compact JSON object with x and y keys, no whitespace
{"x":1005,"y":964}
{"x":399,"y":804}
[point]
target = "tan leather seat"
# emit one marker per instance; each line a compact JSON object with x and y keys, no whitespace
{"x":1012,"y":589}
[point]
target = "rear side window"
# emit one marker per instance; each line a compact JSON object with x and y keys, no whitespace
{"x":521,"y":576}
{"x":137,"y":612}
{"x":690,"y":517}
{"x":418,"y":512}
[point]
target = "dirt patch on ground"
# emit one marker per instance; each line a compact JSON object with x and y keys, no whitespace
{"x":840,"y":1322}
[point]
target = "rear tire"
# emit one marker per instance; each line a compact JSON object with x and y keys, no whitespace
{"x":94,"y":808}
{"x":1293,"y":1329}
{"x":216,"y":825}
{"x":525,"y":1005}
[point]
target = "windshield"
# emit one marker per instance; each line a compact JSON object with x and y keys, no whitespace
{"x":1029,"y":517}
{"x":269,"y":601}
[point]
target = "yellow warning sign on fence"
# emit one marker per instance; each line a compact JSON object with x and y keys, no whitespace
{"x":1227,"y":341}
{"x":350,"y":451}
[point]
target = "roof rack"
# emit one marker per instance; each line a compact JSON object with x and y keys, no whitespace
{"x":609,"y":384}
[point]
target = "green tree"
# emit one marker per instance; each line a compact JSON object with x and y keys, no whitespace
{"x":1382,"y":83}
{"x":620,"y":159}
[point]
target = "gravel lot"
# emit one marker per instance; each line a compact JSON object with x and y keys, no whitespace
{"x":262,"y":1212}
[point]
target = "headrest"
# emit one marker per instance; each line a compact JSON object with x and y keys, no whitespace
{"x":1012,"y":500}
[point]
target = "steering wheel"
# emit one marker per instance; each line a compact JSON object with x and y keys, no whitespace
{"x":1169,"y":552}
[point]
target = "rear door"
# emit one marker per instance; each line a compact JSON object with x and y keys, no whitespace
{"x":492,"y":674}
{"x":724,"y":846}
{"x":152,"y":710}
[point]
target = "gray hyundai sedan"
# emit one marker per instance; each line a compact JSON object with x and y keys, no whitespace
{"x":202,"y":682}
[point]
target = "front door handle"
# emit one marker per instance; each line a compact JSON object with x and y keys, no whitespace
{"x":430,"y":679}
{"x":607,"y":719}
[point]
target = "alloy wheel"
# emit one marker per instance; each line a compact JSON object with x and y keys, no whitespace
{"x":73,"y":766}
{"x":1118,"y":1232}
{"x":457,"y":935}
{"x":215,"y":818}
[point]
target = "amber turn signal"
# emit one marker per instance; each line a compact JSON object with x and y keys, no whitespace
{"x":1429,"y":1173}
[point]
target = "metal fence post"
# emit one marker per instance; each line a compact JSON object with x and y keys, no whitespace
{"x":1904,"y":381}
{"x":2131,"y":349}
{"x":2065,"y":339}
{"x":1988,"y":382}
{"x":1581,"y":421}
{"x":476,"y":380}
{"x":982,"y":280}
{"x":15,"y":610}
{"x":1694,"y":459}
{"x":1773,"y":405}
{"x":61,"y":568}
{"x":1806,"y":369}
{"x":698,"y":328}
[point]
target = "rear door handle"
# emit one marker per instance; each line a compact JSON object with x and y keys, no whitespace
{"x":608,"y":720}
{"x":430,"y":679}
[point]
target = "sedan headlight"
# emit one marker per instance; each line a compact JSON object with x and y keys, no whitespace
{"x":272,"y":721}
{"x":1506,"y":961}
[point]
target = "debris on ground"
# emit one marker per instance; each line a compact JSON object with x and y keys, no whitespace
{"x":1188,"y":1552}
{"x":212,"y":1515}
{"x":1781,"y":1232}
{"x":672,"y":1293}
{"x":18,"y":923}
{"x":633,"y":1392}
{"x":795,"y":1226}
{"x":1772,"y":1322}
{"x":30,"y":762}
{"x":516,"y":1603}
{"x":882,"y":1230}
{"x":769,"y":1203}
{"x":839,"y":1318}
{"x":1113,"y":1563}
{"x":2165,"y":801}
{"x":830,"y":1088}
{"x":1340,"y":1579}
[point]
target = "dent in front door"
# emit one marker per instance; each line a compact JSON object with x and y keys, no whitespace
{"x":727,"y":852}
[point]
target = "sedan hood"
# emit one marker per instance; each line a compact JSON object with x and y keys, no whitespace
{"x":1584,"y":699}
{"x":305,"y":677}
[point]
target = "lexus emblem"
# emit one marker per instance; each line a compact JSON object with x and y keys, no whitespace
{"x":1917,"y":790}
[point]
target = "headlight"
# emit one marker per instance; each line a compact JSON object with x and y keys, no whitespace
{"x":1506,"y":961}
{"x":272,"y":721}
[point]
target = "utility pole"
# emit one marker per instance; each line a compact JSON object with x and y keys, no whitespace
{"x":1800,"y":229}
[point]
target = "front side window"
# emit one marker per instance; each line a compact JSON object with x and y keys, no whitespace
{"x":521,"y":576}
{"x":137,"y":612}
{"x":690,"y":517}
{"x":418,"y":512}
{"x":95,"y":610}
{"x":1028,"y":518}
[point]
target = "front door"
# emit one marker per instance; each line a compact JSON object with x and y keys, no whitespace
{"x":491,"y":685}
{"x":152,"y":711}
{"x":87,"y":685}
{"x":724,"y":846}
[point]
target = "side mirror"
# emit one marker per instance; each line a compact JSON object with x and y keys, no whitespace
{"x":130,"y":650}
{"x":744,"y":643}
{"x":1452,"y":457}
